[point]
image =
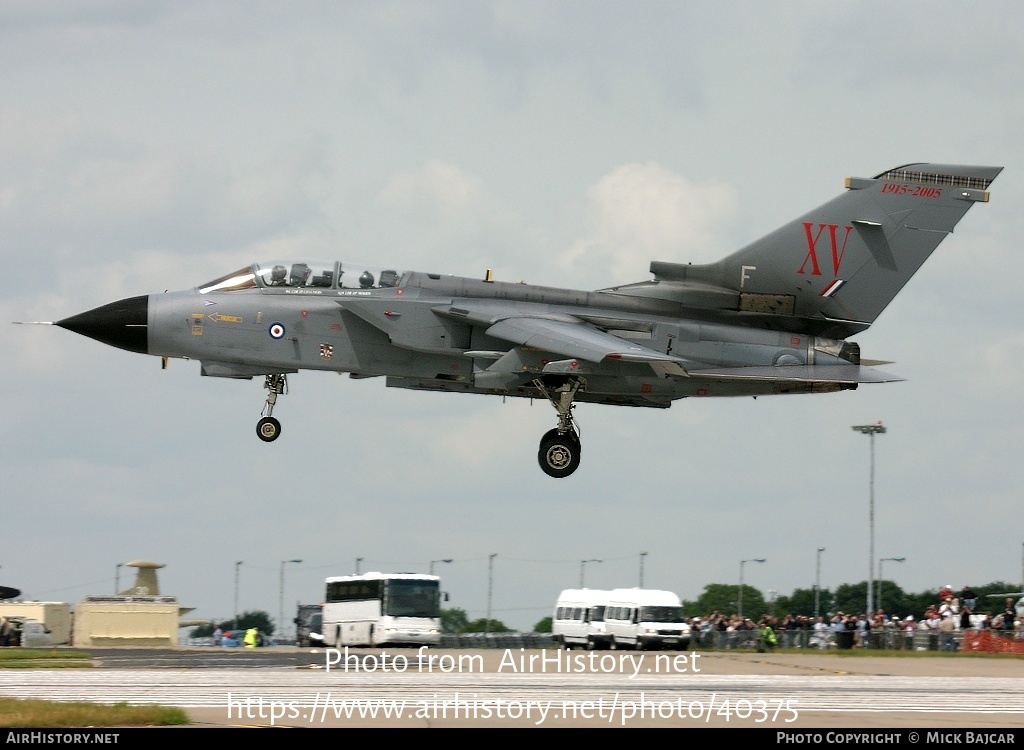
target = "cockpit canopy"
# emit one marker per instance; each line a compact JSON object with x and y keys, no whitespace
{"x":305,"y":273}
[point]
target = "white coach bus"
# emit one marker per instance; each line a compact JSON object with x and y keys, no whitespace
{"x":377,"y":609}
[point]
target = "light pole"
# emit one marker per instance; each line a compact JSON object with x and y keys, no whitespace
{"x":490,"y":589}
{"x":871,"y":430}
{"x":117,"y":578}
{"x":358,"y":560}
{"x":280,"y":601}
{"x":583,"y":564}
{"x":448,"y":560}
{"x":884,"y":559}
{"x":739,"y":607}
{"x":237,"y":565}
{"x":817,"y":585}
{"x":642,"y":556}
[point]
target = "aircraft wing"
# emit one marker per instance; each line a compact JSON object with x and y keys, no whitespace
{"x":574,"y":340}
{"x":803,"y":373}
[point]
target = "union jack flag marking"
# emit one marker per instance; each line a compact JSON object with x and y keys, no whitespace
{"x":832,"y":288}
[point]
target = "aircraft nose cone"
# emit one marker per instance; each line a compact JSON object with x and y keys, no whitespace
{"x":123,"y":324}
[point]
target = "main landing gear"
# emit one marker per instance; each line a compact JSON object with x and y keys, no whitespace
{"x":268,"y":428}
{"x":559,"y":454}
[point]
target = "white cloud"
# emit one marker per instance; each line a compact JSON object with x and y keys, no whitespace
{"x":644,"y":212}
{"x":439,"y":214}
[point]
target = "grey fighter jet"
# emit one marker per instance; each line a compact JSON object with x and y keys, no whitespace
{"x":774,"y":317}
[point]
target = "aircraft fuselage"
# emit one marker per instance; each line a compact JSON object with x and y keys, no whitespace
{"x":413,"y":335}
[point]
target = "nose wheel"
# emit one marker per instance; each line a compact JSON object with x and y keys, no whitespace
{"x":269,"y":428}
{"x":559,"y":454}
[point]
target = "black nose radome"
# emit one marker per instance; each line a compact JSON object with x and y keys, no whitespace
{"x":122,"y":324}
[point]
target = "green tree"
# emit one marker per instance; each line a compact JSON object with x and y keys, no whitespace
{"x":893,"y":598}
{"x":255,"y":619}
{"x":454,"y":621}
{"x":992,"y":596}
{"x":483,"y":625}
{"x":202,"y":631}
{"x":543,"y":625}
{"x":914,"y":604}
{"x":801,"y":602}
{"x":725,"y":598}
{"x":851,"y":598}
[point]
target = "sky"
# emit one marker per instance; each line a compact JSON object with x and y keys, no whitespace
{"x":155,"y":146}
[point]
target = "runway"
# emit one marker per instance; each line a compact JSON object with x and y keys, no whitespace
{"x":495,"y":689}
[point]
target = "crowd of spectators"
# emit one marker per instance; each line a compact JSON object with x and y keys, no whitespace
{"x":938,"y":628}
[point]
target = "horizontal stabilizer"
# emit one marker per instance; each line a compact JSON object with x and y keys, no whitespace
{"x":800,"y":373}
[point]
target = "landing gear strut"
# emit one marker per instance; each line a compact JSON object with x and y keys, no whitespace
{"x":559,"y":454}
{"x":269,"y":429}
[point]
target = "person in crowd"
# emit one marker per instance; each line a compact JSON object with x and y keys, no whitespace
{"x":931,"y":624}
{"x":1009,"y":614}
{"x":968,"y":598}
{"x":821,"y":632}
{"x":863,"y":627}
{"x":909,"y":629}
{"x":766,"y":638}
{"x":950,"y":606}
{"x":947,"y":627}
{"x":965,"y":615}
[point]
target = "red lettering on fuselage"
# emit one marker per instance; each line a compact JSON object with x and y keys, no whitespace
{"x":812,"y":243}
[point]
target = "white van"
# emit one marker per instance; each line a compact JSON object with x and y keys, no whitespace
{"x":579,"y":619}
{"x":646,"y":618}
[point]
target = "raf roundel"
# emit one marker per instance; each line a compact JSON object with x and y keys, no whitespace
{"x":276,"y":331}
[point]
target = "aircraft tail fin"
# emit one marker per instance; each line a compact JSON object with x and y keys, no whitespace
{"x":842,"y":263}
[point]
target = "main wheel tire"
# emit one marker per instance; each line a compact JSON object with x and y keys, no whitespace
{"x":553,"y":434}
{"x":559,"y":455}
{"x":268,"y":429}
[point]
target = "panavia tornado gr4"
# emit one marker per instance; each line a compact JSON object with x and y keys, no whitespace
{"x":774,"y":317}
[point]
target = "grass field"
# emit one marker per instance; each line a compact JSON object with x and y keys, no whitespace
{"x":22,"y":714}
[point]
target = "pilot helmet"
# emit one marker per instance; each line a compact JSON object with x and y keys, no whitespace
{"x":365,"y":279}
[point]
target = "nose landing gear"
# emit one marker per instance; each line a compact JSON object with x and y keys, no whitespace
{"x":268,"y":428}
{"x":559,"y":454}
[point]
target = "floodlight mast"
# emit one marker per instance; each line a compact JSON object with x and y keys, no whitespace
{"x":817,"y":585}
{"x":871,"y":430}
